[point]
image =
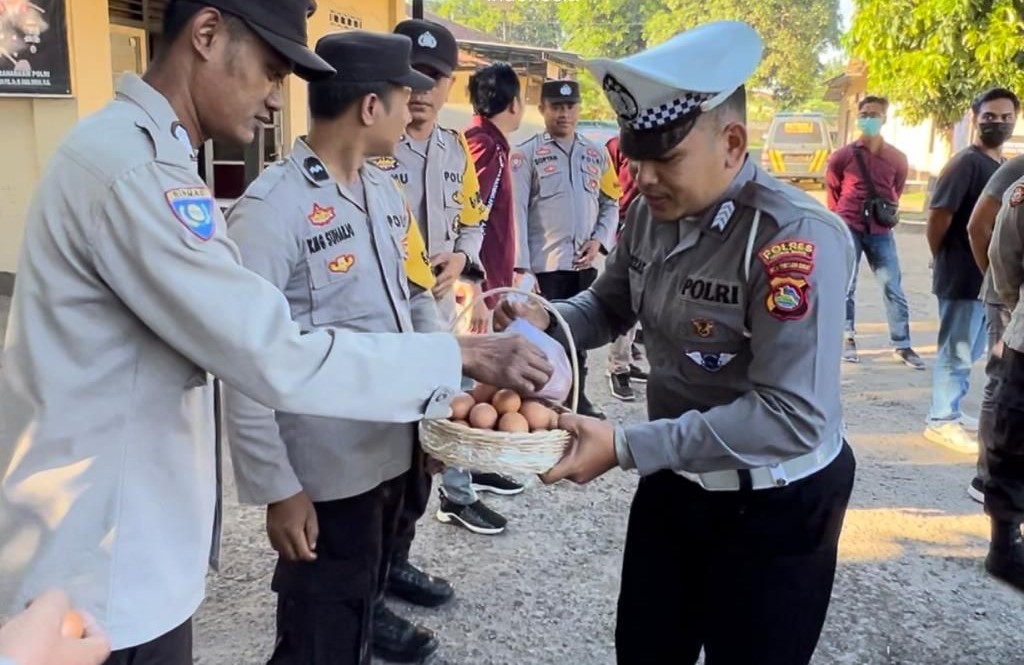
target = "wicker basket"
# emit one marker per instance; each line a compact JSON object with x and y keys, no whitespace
{"x":509,"y":453}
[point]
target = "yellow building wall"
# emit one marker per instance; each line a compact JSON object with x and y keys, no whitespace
{"x":34,"y":127}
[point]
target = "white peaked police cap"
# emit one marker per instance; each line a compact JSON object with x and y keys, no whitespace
{"x":658,"y":94}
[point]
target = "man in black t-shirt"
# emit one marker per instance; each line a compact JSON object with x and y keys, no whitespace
{"x":956,"y":278}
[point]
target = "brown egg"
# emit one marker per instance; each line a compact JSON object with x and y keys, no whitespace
{"x":537,"y":415}
{"x":461,"y":406}
{"x":513,"y":422}
{"x":506,"y":401}
{"x":483,"y":393}
{"x":73,"y":626}
{"x":483,"y":416}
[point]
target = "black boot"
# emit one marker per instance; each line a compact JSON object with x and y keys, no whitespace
{"x":586,"y":407}
{"x":412,"y":585}
{"x":1005,"y":560}
{"x":400,"y":641}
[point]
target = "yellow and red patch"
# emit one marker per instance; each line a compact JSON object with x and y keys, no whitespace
{"x":342,"y":263}
{"x":321,"y":215}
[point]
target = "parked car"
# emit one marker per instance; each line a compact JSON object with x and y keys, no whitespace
{"x":797,"y":147}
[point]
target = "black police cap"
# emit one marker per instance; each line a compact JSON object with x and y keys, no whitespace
{"x":282,"y":25}
{"x":560,"y":91}
{"x":432,"y":44}
{"x":360,"y":56}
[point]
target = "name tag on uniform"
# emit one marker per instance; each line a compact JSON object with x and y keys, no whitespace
{"x":704,"y":289}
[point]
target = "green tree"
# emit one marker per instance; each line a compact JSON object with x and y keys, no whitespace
{"x":605,"y":28}
{"x":794,"y":33}
{"x":530,"y":23}
{"x":933,"y":57}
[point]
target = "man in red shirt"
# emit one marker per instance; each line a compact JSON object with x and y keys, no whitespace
{"x":494,"y":93}
{"x":621,"y":369}
{"x":848,"y":189}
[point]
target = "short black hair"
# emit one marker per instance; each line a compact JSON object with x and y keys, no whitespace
{"x":179,"y":13}
{"x":993,"y":94}
{"x":493,"y":88}
{"x":330,"y":98}
{"x":735,"y":103}
{"x":873,"y":99}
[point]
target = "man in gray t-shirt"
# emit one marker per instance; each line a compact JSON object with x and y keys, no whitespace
{"x":979,"y":230}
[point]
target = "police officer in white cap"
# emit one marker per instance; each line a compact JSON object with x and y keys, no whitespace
{"x":739,"y":282}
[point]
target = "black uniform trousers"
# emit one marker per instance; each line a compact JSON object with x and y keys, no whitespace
{"x":746,"y":575}
{"x":419,"y":483}
{"x":172,"y":648}
{"x":325,"y":607}
{"x":562,"y":285}
{"x":1004,"y":487}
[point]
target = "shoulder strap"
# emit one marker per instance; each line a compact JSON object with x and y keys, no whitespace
{"x":864,"y":173}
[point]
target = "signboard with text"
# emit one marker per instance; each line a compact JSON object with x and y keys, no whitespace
{"x":34,"y":48}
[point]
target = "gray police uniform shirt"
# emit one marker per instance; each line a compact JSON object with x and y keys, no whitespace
{"x":1006,"y":261}
{"x":440,"y":183}
{"x":1009,"y":173}
{"x":562,"y":199}
{"x":128,"y":293}
{"x":743,"y":312}
{"x":338,"y":254}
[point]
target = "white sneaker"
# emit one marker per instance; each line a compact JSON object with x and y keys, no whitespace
{"x":970,"y":424}
{"x":952,"y":435}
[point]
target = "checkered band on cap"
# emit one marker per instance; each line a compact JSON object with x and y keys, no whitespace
{"x":668,"y":112}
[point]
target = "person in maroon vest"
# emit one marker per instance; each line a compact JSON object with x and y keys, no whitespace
{"x":494,"y":91}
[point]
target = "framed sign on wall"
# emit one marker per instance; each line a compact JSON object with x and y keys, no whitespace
{"x":34,"y":48}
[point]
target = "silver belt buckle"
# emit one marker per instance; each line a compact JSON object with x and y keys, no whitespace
{"x":779,"y":478}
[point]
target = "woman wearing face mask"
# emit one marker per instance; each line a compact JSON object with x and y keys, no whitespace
{"x":868,"y":168}
{"x":956,"y":278}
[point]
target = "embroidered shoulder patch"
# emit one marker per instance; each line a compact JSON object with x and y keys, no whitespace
{"x":787,"y":297}
{"x":790,"y":256}
{"x":193,"y":207}
{"x":1017,"y":197}
{"x":517,"y":161}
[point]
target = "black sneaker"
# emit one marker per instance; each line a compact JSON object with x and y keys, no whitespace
{"x":637,"y":375}
{"x":495,"y":483}
{"x":398,"y":640}
{"x":412,"y":585}
{"x":476,"y":517}
{"x":976,"y":490}
{"x":619,"y":385}
{"x":909,"y":357}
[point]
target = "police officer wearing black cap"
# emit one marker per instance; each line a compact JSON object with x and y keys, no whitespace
{"x":129,"y":296}
{"x":566,"y":195}
{"x":739,"y":281}
{"x":334,"y":487}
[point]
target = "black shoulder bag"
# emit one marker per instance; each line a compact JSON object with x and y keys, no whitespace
{"x":885,"y":212}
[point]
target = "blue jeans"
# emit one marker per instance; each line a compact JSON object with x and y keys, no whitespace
{"x":885,"y":264}
{"x":961,"y":343}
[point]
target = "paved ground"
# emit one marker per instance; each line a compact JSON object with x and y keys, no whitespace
{"x":910,"y":587}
